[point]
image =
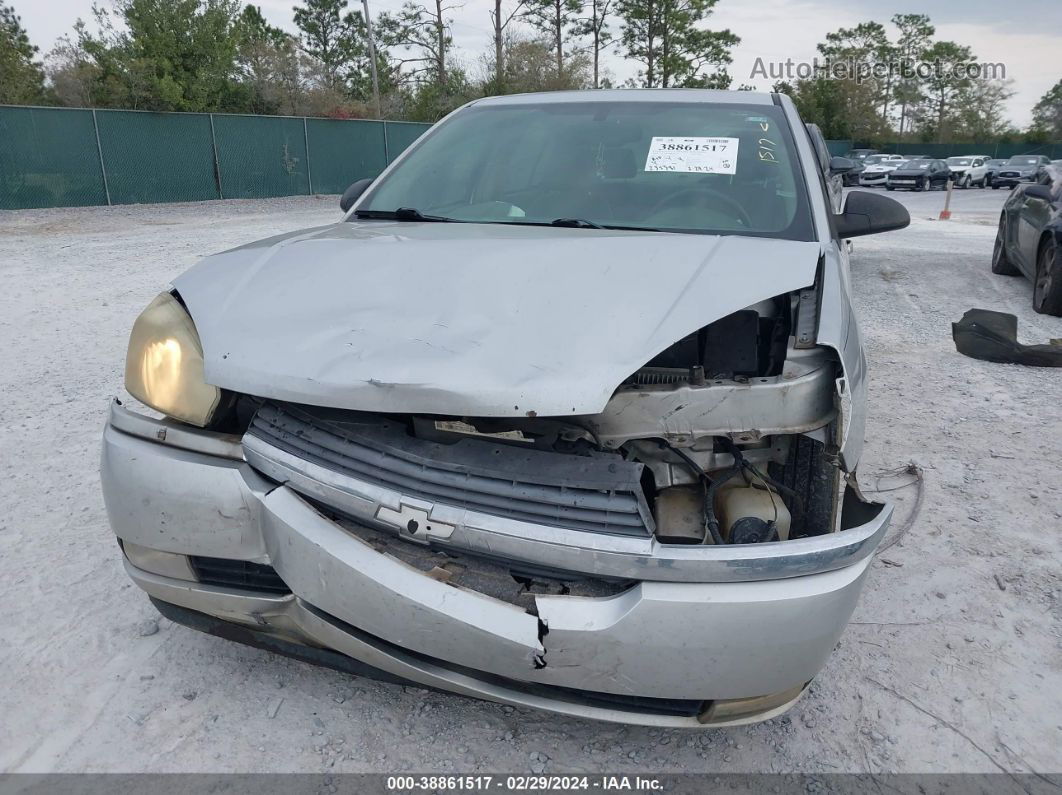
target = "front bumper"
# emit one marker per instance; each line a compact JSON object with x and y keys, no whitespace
{"x":1014,"y":179}
{"x":873,"y":178}
{"x":736,"y":632}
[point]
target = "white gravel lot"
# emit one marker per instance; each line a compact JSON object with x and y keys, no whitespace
{"x":953,"y":661}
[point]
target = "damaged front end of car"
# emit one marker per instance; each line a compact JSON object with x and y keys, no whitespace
{"x":686,"y":556}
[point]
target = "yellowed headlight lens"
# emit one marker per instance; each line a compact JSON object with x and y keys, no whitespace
{"x":164,"y":364}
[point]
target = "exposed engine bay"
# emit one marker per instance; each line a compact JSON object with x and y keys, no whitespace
{"x":726,"y":437}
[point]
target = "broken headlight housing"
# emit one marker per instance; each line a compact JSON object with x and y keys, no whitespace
{"x":164,"y":364}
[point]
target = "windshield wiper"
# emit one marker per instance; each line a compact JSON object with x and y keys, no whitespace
{"x":577,"y":223}
{"x":401,"y":214}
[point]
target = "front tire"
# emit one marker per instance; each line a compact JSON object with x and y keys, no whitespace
{"x":809,"y":474}
{"x":920,"y":185}
{"x":1001,"y":264}
{"x":1047,"y":287}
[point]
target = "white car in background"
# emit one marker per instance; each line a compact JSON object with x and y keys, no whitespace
{"x":877,"y":167}
{"x":969,"y":170}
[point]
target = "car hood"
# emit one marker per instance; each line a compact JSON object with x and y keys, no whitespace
{"x":468,"y":319}
{"x":877,"y":169}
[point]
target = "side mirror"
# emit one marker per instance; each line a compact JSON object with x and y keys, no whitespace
{"x":841,"y":165}
{"x":351,"y":194}
{"x":868,"y":213}
{"x":1038,"y":192}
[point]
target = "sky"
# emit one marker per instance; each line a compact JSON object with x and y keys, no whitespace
{"x":1024,"y":35}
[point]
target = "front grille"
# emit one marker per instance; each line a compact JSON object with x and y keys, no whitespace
{"x":241,"y":574}
{"x":1009,"y":174}
{"x":599,"y":494}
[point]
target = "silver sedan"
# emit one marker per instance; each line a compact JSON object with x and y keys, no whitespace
{"x":564,"y":412}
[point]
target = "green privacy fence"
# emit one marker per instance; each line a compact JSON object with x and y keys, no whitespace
{"x":998,"y":150}
{"x":72,"y":157}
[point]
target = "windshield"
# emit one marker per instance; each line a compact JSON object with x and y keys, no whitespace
{"x":917,"y":164}
{"x":678,"y":167}
{"x":1023,"y":161}
{"x":959,"y":161}
{"x":876,"y":159}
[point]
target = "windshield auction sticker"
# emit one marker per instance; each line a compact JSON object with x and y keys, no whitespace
{"x":693,"y":155}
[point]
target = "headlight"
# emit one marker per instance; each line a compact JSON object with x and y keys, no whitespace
{"x":164,"y":364}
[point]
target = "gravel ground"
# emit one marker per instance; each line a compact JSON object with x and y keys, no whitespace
{"x":952,"y":662}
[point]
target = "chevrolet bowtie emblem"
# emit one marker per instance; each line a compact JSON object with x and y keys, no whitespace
{"x":414,"y":520}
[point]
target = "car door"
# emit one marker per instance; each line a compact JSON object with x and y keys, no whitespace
{"x":977,"y":170}
{"x":1033,"y":215}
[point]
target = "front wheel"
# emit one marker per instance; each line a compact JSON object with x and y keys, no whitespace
{"x":1047,"y":289}
{"x":920,"y":185}
{"x":889,"y":187}
{"x":1001,"y":264}
{"x":995,"y":186}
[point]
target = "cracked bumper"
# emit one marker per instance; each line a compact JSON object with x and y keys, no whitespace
{"x":169,"y":489}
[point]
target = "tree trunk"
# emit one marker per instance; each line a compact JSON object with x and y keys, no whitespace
{"x":940,"y":119}
{"x":597,"y":55}
{"x":498,"y":55}
{"x":440,"y":33}
{"x":664,"y":76}
{"x":650,"y":37}
{"x":559,"y":32}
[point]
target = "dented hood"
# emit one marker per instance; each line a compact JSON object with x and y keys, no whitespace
{"x":468,"y":319}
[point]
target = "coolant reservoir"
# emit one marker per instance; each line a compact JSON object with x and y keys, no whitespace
{"x":737,"y":501}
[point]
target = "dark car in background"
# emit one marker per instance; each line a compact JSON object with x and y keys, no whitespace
{"x":1020,"y":168}
{"x":1029,"y":238}
{"x":992,"y":168}
{"x":857,"y":156}
{"x":921,"y":174}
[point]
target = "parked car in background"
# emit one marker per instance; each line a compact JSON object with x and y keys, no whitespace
{"x":922,"y":174}
{"x":857,"y":156}
{"x":399,"y":445}
{"x":874,"y":174}
{"x":992,"y":167}
{"x":969,"y":171}
{"x":1029,"y":239}
{"x":1020,"y":168}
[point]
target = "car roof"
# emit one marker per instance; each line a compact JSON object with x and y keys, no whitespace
{"x":632,"y":95}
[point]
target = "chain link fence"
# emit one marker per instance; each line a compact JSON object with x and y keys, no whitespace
{"x":74,"y":157}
